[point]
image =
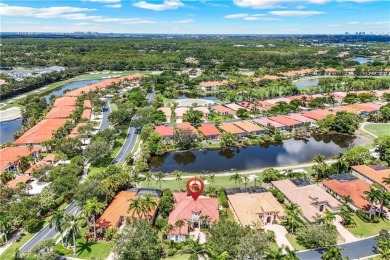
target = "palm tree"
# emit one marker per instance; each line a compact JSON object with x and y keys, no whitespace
{"x":148,"y":204}
{"x":236,"y":178}
{"x":320,"y":166}
{"x":94,"y":208}
{"x":205,"y":220}
{"x":290,"y":254}
{"x":159,"y":178}
{"x":332,"y":253}
{"x":137,"y":206}
{"x":383,"y":249}
{"x":212,"y":178}
{"x":293,"y":213}
{"x":5,"y":224}
{"x":257,"y":179}
{"x":275,"y":254}
{"x":386,"y":180}
{"x":213,"y":255}
{"x":372,"y":196}
{"x":72,"y":225}
{"x":195,"y":249}
{"x":58,"y":220}
{"x":245,"y":180}
{"x":148,"y":177}
{"x":178,"y":177}
{"x":383,"y":197}
{"x":179,"y":224}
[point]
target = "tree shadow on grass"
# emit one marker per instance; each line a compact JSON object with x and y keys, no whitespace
{"x":84,"y":246}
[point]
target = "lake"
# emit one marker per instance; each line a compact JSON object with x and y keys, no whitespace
{"x":290,"y":152}
{"x":362,"y":60}
{"x":306,"y":83}
{"x":8,"y":128}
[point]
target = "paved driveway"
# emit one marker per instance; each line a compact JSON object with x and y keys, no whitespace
{"x":280,"y":235}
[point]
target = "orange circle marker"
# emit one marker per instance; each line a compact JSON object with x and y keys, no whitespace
{"x":195,"y":187}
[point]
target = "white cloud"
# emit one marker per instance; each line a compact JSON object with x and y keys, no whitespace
{"x":80,"y":16}
{"x":264,"y":4}
{"x":45,"y":12}
{"x":296,"y":13}
{"x":103,"y":1}
{"x":235,"y":16}
{"x":301,"y":7}
{"x":166,"y":5}
{"x":113,"y":6}
{"x":254,"y":18}
{"x":186,"y":21}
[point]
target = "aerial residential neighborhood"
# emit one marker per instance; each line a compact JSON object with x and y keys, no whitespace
{"x":201,"y":130}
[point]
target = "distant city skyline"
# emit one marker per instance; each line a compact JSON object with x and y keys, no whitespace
{"x":198,"y":17}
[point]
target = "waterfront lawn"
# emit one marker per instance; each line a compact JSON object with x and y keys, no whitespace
{"x":378,"y":129}
{"x":10,"y":252}
{"x":364,"y":229}
{"x":293,"y":241}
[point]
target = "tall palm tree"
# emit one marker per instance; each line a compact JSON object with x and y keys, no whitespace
{"x":293,"y":213}
{"x":372,"y":196}
{"x":159,"y":176}
{"x":58,"y":220}
{"x":236,"y":178}
{"x":290,"y":254}
{"x":5,"y":224}
{"x":148,"y":204}
{"x":275,"y":254}
{"x":386,"y":180}
{"x":211,"y":177}
{"x":137,"y":206}
{"x":257,"y":179}
{"x":178,"y":177}
{"x":72,"y":225}
{"x":148,"y":177}
{"x":196,"y":250}
{"x":245,"y":180}
{"x":332,"y":253}
{"x":383,"y":197}
{"x":179,"y":224}
{"x":320,"y":166}
{"x":383,"y":249}
{"x":94,"y":208}
{"x":213,"y":255}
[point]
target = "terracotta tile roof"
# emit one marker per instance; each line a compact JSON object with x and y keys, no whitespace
{"x":22,"y":178}
{"x":313,"y":115}
{"x":355,"y":189}
{"x":300,"y":118}
{"x":51,"y":157}
{"x":234,"y":106}
{"x":369,"y":107}
{"x":208,"y":130}
{"x":370,"y":173}
{"x":248,"y":126}
{"x":276,"y":100}
{"x":349,"y":70}
{"x":296,"y":72}
{"x":86,"y":114}
{"x":285,"y":120}
{"x":245,"y":104}
{"x":264,"y":121}
{"x":41,"y":132}
{"x":270,"y":77}
{"x":164,"y":130}
{"x":186,"y":206}
{"x":262,"y":105}
{"x":330,"y":70}
{"x":166,"y":110}
{"x":60,"y":112}
{"x":188,"y":126}
{"x":223,"y":110}
{"x":65,"y":101}
{"x":181,"y":111}
{"x":248,"y":207}
{"x":213,"y":83}
{"x":204,"y":110}
{"x":231,"y":128}
{"x":87,"y":103}
{"x":10,"y":155}
{"x":36,"y":166}
{"x":76,"y":130}
{"x":306,"y":197}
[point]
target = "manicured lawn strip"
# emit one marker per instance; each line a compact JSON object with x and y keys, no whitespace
{"x":378,"y":129}
{"x":9,"y":253}
{"x":179,"y":257}
{"x":293,"y":241}
{"x":364,"y":229}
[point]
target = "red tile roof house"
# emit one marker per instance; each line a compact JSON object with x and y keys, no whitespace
{"x":372,"y":174}
{"x":265,"y":122}
{"x":210,"y":132}
{"x":191,"y":212}
{"x":233,"y":129}
{"x":166,"y":132}
{"x":354,"y":189}
{"x":250,"y":127}
{"x":222,"y":110}
{"x":288,"y":122}
{"x":212,"y":85}
{"x":301,"y":118}
{"x":9,"y":156}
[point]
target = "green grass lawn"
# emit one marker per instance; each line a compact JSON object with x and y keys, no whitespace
{"x":179,"y":257}
{"x":9,"y":253}
{"x":378,"y":129}
{"x":364,"y":229}
{"x":293,"y":241}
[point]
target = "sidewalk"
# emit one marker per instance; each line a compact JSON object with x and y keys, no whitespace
{"x":10,"y":241}
{"x":280,"y":235}
{"x":348,"y":237}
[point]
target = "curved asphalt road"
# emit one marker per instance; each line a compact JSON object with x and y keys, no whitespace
{"x":131,"y":138}
{"x":354,"y":250}
{"x":48,"y":232}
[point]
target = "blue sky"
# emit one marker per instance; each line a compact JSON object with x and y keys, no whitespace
{"x":200,"y":16}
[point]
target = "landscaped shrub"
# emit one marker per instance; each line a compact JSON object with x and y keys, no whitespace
{"x":110,"y":233}
{"x":222,"y":199}
{"x":83,"y":223}
{"x":171,"y":251}
{"x":179,"y":246}
{"x":33,"y":225}
{"x":366,"y":217}
{"x":280,"y":197}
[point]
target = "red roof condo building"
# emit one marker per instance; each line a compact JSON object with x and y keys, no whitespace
{"x":209,"y":131}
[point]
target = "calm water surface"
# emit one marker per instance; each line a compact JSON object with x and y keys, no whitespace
{"x":307,"y":83}
{"x":290,"y":152}
{"x":8,"y":128}
{"x":362,"y":60}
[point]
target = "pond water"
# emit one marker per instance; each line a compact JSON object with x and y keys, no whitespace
{"x":290,"y":152}
{"x":187,"y":95}
{"x":8,"y":128}
{"x":306,"y":83}
{"x":362,"y":60}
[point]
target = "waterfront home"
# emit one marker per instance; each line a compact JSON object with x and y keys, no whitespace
{"x":277,"y":100}
{"x":187,"y":126}
{"x":60,"y":112}
{"x":210,"y":132}
{"x":310,"y":198}
{"x":65,"y":102}
{"x":212,"y":85}
{"x":10,"y":156}
{"x":346,"y":185}
{"x":301,"y":118}
{"x":76,"y":130}
{"x":117,"y":212}
{"x":167,"y":112}
{"x":252,"y":208}
{"x":223,"y":110}
{"x":47,"y":160}
{"x":234,"y":106}
{"x":194,"y":214}
{"x":249,"y":127}
{"x":247,"y":105}
{"x":166,"y":132}
{"x":86,"y":115}
{"x":330,"y":72}
{"x":180,"y":112}
{"x":262,"y":105}
{"x":233,"y":129}
{"x":264,"y":121}
{"x":288,"y":122}
{"x":372,"y":174}
{"x":349,"y":71}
